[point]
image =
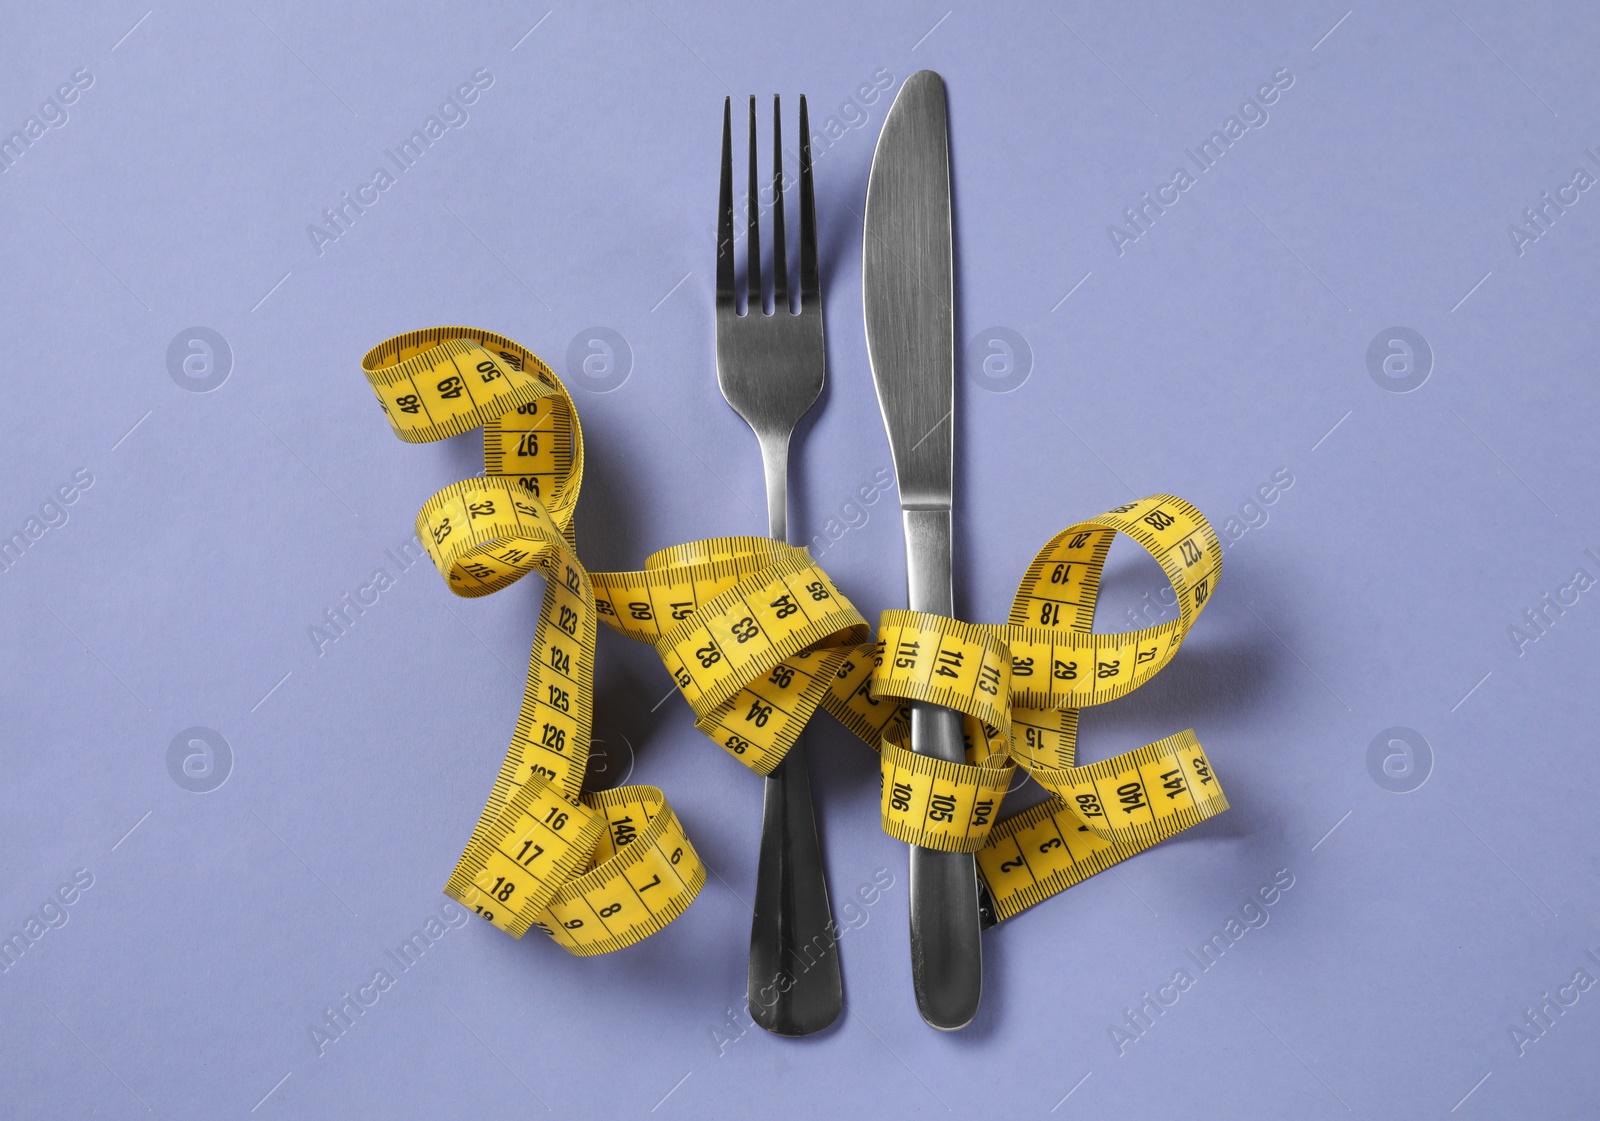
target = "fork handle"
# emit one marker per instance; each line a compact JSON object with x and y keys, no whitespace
{"x":795,"y":988}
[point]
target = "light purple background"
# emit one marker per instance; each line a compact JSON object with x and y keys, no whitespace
{"x":1227,"y":344}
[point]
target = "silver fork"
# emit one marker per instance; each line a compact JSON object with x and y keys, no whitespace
{"x":771,"y":369}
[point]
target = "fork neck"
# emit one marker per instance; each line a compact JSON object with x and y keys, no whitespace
{"x":775,"y":464}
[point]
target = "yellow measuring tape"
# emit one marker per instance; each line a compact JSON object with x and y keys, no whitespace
{"x":757,"y":638}
{"x":1021,"y":685}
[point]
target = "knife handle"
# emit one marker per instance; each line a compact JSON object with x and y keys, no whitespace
{"x":946,"y":950}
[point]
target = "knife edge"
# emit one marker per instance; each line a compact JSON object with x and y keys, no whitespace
{"x":907,"y":290}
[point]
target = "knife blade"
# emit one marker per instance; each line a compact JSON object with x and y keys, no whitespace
{"x":907,"y":289}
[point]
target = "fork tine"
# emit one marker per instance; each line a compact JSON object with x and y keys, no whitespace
{"x":725,"y":291}
{"x":780,"y":263}
{"x":754,"y":301}
{"x":810,"y":281}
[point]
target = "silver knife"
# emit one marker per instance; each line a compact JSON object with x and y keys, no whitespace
{"x":907,"y":286}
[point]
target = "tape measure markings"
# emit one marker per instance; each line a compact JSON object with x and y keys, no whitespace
{"x":757,"y":637}
{"x":1053,"y":664}
{"x":542,"y":853}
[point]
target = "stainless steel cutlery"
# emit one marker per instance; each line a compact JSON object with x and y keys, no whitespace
{"x":771,"y":368}
{"x":907,"y":289}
